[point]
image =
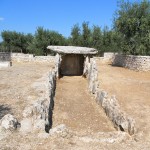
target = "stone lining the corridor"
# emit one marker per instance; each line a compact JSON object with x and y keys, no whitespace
{"x":119,"y":118}
{"x":8,"y":125}
{"x":38,"y":116}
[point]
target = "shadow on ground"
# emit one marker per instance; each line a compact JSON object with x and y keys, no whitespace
{"x":4,"y":109}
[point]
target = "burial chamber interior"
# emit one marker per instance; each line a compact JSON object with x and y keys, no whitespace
{"x":72,"y":65}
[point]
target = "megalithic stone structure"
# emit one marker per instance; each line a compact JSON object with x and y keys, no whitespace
{"x":72,"y":59}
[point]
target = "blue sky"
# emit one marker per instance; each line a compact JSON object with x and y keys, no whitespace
{"x":59,"y":15}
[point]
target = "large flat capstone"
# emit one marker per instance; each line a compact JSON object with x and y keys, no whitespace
{"x":72,"y":50}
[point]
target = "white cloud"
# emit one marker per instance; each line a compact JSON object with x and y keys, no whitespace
{"x":1,"y":18}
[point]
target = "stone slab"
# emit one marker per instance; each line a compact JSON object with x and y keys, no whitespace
{"x":5,"y":64}
{"x":72,"y":50}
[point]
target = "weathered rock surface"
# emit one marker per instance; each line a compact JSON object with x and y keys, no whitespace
{"x":9,"y":122}
{"x":93,"y":77}
{"x":58,"y":60}
{"x":72,"y":49}
{"x":112,"y":109}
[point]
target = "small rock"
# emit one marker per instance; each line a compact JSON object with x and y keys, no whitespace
{"x":9,"y":122}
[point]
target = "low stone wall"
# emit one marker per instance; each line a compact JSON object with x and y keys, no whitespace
{"x":140,"y":63}
{"x":5,"y":64}
{"x":39,"y":115}
{"x":5,"y":56}
{"x":20,"y":57}
{"x":110,"y":104}
{"x":5,"y":59}
{"x":44,"y":59}
{"x":107,"y":58}
{"x":109,"y":55}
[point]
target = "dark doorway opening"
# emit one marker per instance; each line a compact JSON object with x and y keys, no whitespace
{"x":72,"y":65}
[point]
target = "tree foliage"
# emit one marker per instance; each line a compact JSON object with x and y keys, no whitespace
{"x":86,"y":35}
{"x":43,"y":38}
{"x":130,"y":34}
{"x":133,"y":22}
{"x":103,"y":40}
{"x":75,"y":39}
{"x":16,"y":41}
{"x":27,"y":43}
{"x":96,"y":38}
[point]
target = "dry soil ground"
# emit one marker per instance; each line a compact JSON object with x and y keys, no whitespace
{"x":73,"y":107}
{"x":132,"y":89}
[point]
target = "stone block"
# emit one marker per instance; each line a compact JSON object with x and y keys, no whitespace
{"x":9,"y":122}
{"x":5,"y":64}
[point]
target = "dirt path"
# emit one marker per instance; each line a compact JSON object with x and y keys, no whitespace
{"x":75,"y":108}
{"x":132,"y":89}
